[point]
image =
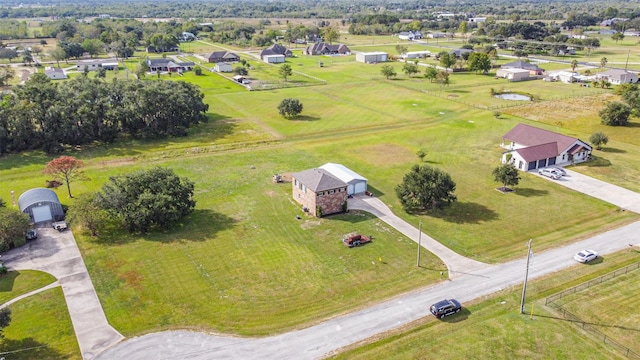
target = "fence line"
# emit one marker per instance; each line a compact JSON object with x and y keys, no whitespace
{"x":550,"y":301}
{"x":592,"y":282}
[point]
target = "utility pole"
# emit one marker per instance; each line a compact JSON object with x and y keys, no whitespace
{"x":627,"y":63}
{"x":526,"y":275}
{"x":419,"y":242}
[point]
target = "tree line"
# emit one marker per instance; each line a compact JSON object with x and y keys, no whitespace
{"x":42,"y":115}
{"x":409,"y":9}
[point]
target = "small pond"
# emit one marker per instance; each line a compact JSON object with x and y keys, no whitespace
{"x":510,"y":96}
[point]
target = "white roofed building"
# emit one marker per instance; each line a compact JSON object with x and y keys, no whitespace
{"x":356,"y":184}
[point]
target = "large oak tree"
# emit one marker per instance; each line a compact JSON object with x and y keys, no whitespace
{"x":426,"y":188}
{"x":147,"y":199}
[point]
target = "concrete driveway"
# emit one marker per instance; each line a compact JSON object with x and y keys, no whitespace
{"x":456,"y":263}
{"x":616,"y":195}
{"x":57,"y":254}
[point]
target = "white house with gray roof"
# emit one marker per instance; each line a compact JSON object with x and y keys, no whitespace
{"x":618,"y":76}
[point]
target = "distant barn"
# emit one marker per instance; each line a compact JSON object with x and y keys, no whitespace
{"x":41,"y":205}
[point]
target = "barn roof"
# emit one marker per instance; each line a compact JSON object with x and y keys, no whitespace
{"x":35,"y":196}
{"x":342,"y":172}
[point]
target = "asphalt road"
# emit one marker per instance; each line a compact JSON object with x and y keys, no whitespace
{"x":322,"y":339}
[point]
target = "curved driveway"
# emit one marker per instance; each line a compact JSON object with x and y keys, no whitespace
{"x":57,"y":254}
{"x":456,"y":263}
{"x":472,"y":280}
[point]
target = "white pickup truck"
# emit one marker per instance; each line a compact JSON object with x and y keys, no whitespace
{"x":60,"y":226}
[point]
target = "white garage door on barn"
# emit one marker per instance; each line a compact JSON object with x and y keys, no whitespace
{"x":356,"y":184}
{"x":41,"y":213}
{"x":41,"y":205}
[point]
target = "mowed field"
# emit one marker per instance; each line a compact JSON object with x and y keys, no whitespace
{"x":243,"y":264}
{"x":611,"y":308}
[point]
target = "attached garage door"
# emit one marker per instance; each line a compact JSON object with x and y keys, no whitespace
{"x":41,"y":213}
{"x":361,"y":187}
{"x":350,"y":189}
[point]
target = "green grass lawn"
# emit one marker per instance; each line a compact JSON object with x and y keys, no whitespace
{"x":242,"y":263}
{"x":492,"y":328}
{"x":40,"y":328}
{"x":16,"y":283}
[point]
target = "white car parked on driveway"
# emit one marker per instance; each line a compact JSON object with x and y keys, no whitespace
{"x":558,"y":170}
{"x":549,"y":173}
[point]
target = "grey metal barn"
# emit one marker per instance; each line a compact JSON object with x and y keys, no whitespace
{"x":41,"y":204}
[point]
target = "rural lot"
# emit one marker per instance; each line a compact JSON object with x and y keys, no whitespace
{"x":249,"y":262}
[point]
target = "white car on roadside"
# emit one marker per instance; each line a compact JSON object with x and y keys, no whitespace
{"x":585,"y":256}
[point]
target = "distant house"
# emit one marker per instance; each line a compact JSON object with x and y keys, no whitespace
{"x":436,"y":35}
{"x":533,"y":68}
{"x":157,"y":50}
{"x":41,"y":205}
{"x":513,"y":74}
{"x":275,"y":49}
{"x":327,"y":49}
{"x":186,"y":36}
{"x":566,"y":77}
{"x":274,"y":59}
{"x":168,"y":65}
{"x":564,"y":50}
{"x":617,"y":76}
{"x":223,"y":67}
{"x":529,"y":148}
{"x":55,"y":73}
{"x":631,"y":32}
{"x":477,"y":19}
{"x":241,"y":79}
{"x":416,"y":54}
{"x":444,"y":15}
{"x":460,"y":52}
{"x":410,"y":35}
{"x":319,"y":192}
{"x":91,"y":65}
{"x":372,"y":57}
{"x":607,"y":32}
{"x":222,"y":56}
{"x":610,"y":22}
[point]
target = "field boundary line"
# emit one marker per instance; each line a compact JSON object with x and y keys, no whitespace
{"x":550,"y":301}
